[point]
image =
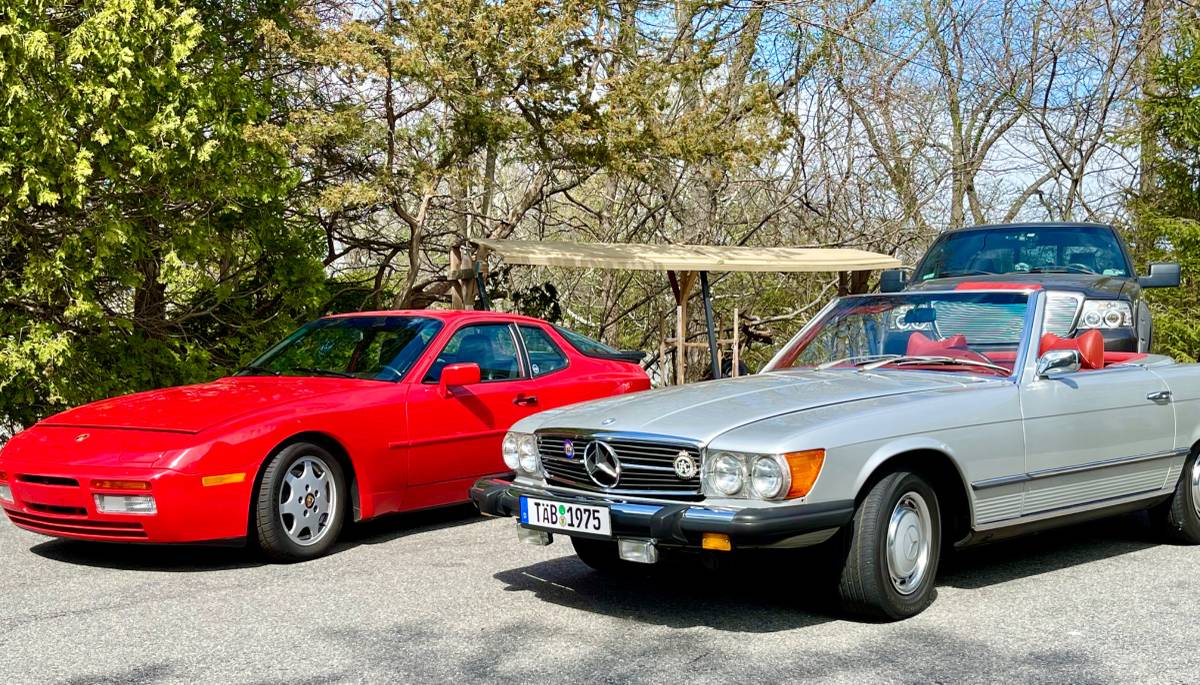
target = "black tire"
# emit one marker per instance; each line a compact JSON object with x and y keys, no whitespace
{"x":865,"y":584}
{"x":272,"y":533}
{"x":1179,"y":517}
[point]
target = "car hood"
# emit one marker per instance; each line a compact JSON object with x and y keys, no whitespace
{"x":702,"y":411}
{"x":1091,"y":285}
{"x":194,"y":408}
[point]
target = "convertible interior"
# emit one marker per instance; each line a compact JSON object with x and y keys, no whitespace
{"x":1089,"y":344}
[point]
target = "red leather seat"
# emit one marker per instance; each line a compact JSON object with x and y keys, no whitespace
{"x":1089,"y":345}
{"x":921,"y":345}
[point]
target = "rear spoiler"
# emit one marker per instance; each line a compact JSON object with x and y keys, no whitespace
{"x":631,"y":356}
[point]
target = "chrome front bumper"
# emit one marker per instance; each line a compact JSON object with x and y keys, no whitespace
{"x":682,"y":524}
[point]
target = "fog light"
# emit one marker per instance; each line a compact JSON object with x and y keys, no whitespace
{"x":125,"y":504}
{"x":638,"y":551}
{"x":716,"y":541}
{"x":6,"y":493}
{"x":534,"y":537}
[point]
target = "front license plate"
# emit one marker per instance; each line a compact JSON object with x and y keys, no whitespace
{"x":571,"y":518}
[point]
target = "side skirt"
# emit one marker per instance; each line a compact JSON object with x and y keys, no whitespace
{"x":1015,"y":528}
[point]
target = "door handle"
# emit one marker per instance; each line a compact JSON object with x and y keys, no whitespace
{"x":525,"y":400}
{"x":1159,"y":396}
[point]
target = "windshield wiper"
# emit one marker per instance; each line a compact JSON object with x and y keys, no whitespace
{"x":931,"y":359}
{"x":250,"y":368}
{"x":322,"y":372}
{"x":964,"y":272}
{"x":855,"y":360}
{"x":1068,"y":269}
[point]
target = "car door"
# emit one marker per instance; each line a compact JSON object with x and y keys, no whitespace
{"x":1094,"y":435}
{"x":455,"y":438}
{"x":557,"y":382}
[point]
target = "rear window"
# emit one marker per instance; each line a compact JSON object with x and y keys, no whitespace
{"x":592,"y":348}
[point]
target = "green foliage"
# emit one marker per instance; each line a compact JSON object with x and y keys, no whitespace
{"x":1168,"y":219}
{"x":144,"y":240}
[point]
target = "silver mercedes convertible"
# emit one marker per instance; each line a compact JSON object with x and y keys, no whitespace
{"x":891,"y":425}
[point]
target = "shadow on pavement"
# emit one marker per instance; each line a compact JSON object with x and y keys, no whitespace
{"x":201,"y":558}
{"x":683,"y":593}
{"x":745,"y":597}
{"x":1052,"y":550}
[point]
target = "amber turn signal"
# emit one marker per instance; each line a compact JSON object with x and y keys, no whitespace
{"x":805,"y":467}
{"x":120,"y":485}
{"x":222,"y":480}
{"x":717,"y":541}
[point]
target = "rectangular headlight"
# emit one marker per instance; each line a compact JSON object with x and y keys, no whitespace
{"x":125,"y":504}
{"x":6,"y":493}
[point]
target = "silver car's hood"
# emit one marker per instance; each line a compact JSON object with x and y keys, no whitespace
{"x":702,"y":411}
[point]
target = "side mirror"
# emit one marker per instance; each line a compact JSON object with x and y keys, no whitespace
{"x":456,"y":375}
{"x":1161,"y":276}
{"x":1057,"y":363}
{"x":892,"y":280}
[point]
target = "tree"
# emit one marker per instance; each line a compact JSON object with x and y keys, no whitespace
{"x":145,"y":241}
{"x":1167,"y":214}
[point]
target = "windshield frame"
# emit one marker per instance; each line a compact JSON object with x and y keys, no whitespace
{"x":941,"y":240}
{"x":1035,"y":305}
{"x":255,"y":367}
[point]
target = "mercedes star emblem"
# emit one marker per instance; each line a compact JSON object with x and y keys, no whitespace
{"x":600,"y":460}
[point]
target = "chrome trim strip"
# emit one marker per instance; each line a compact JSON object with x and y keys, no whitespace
{"x":1071,"y":510}
{"x":706,"y":514}
{"x":601,"y":434}
{"x":1078,"y":468}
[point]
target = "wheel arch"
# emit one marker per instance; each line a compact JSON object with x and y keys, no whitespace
{"x":935,"y":461}
{"x":329,"y":444}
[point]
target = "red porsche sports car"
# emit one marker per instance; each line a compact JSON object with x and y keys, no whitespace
{"x":352,"y":415}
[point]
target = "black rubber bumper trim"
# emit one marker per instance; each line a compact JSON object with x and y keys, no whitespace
{"x":669,"y":523}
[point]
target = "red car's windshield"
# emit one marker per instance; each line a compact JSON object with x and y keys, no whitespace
{"x":374,"y":347}
{"x":970,"y":331}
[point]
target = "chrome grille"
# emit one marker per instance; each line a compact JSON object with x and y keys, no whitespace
{"x":1062,"y":310}
{"x":647,"y":466}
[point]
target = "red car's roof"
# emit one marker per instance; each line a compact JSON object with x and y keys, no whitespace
{"x":442,"y":314}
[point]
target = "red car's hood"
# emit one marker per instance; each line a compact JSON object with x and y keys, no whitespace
{"x":193,"y":408}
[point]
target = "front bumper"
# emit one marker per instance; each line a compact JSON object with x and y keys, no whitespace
{"x":683,"y":524}
{"x":1117,"y":339}
{"x":59,"y":502}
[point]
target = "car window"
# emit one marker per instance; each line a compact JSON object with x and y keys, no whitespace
{"x":544,"y":356}
{"x":592,"y":348}
{"x":490,"y":346}
{"x":370,"y":347}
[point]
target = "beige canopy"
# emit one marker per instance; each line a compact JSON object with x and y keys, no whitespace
{"x":684,"y":264}
{"x":692,"y":258}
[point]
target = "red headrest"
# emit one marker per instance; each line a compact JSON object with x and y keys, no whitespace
{"x":984,"y":285}
{"x":1090,"y":346}
{"x":919,"y":344}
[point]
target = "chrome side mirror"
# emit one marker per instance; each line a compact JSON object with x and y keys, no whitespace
{"x":1057,"y":363}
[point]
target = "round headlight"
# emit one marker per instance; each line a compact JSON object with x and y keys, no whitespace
{"x":527,"y":454}
{"x":766,"y":478}
{"x":1112,"y":318}
{"x":727,"y":475}
{"x":509,"y":450}
{"x":1092,"y":319}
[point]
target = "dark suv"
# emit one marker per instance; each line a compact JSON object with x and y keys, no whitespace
{"x":1085,"y":266}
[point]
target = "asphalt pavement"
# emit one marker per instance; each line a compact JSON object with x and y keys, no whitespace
{"x":449,"y":596}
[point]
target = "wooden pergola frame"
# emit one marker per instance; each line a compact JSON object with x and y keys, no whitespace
{"x":685,"y":265}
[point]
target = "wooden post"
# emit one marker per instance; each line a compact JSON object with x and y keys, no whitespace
{"x":680,"y":348}
{"x":736,"y":344}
